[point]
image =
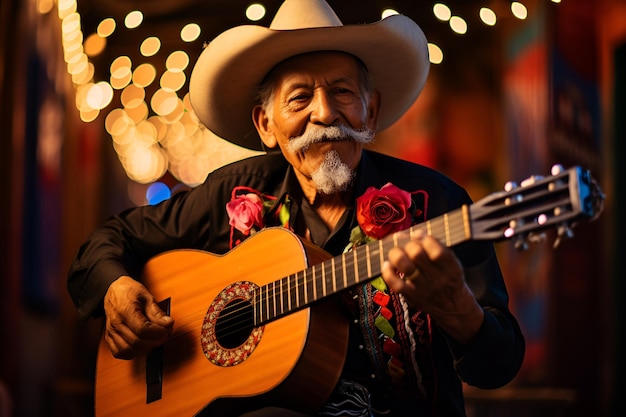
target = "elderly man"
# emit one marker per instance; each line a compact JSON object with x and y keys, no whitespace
{"x":314,"y":92}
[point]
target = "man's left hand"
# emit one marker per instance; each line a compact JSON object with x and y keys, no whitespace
{"x":431,"y":278}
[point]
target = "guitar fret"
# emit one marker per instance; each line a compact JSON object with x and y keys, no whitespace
{"x":255,"y":302}
{"x":285,"y":295}
{"x":433,"y":226}
{"x":381,"y":255}
{"x":339,"y":273}
{"x":456,"y":227}
{"x":422,"y":227}
{"x":310,"y":287}
{"x":344,"y":270}
{"x":466,"y":223}
{"x":402,"y":238}
{"x":257,"y":307}
{"x":367,"y":256}
{"x":327,"y":278}
{"x":333,"y":274}
{"x":263,"y":306}
{"x":359,"y":267}
{"x":279,"y":297}
{"x":300,"y":288}
{"x":372,"y":253}
{"x":293,"y":291}
{"x":317,"y":283}
{"x":438,"y":229}
{"x":268,"y":302}
{"x":302,"y":294}
{"x":272,"y":301}
{"x":312,"y":281}
{"x":446,"y":229}
{"x":290,"y":294}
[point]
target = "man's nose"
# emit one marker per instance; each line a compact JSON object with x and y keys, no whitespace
{"x":323,"y":110}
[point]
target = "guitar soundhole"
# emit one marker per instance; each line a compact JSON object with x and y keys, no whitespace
{"x":228,"y":336}
{"x":234,"y":324}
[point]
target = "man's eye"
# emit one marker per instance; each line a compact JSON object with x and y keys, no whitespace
{"x":299,"y":98}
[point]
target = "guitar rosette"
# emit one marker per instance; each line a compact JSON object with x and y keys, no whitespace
{"x":228,"y":336}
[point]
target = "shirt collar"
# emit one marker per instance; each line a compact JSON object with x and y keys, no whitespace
{"x":368,"y":175}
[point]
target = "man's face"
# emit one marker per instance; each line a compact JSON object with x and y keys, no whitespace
{"x":311,"y":92}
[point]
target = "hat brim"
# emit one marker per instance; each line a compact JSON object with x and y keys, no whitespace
{"x":226,"y":76}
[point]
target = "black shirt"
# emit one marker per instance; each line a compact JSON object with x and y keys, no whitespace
{"x":197,"y":219}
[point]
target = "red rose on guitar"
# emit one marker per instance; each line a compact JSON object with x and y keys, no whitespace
{"x":384,"y":211}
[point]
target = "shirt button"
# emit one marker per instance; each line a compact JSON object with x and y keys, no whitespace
{"x":356,"y":321}
{"x":361,"y":347}
{"x":372,"y":376}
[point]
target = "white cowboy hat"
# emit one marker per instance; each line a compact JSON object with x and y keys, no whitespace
{"x":225,"y":79}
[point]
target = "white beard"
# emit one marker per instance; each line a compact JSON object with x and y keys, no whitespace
{"x":333,"y":175}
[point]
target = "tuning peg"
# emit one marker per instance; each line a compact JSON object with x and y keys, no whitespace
{"x":557,"y":169}
{"x":510,"y":185}
{"x":564,"y":231}
{"x":531,"y":180}
{"x":519,"y":242}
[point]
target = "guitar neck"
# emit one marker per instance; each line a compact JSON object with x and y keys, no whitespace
{"x":359,"y":265}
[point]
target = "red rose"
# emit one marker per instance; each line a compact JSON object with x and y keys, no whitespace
{"x":245,"y":212}
{"x":384,"y":211}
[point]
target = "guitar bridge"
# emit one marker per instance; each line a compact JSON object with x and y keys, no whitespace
{"x":154,"y":365}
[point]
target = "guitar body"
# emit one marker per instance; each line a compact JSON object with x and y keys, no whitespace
{"x":294,"y":361}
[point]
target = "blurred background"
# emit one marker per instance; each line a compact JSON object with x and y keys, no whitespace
{"x":94,"y":118}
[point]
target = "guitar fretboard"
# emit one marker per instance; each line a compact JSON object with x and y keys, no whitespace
{"x":359,"y":265}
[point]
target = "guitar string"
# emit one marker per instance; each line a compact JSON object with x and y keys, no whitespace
{"x":347,"y":263}
{"x":231,"y":321}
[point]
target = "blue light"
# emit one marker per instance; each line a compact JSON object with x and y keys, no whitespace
{"x":157,"y":192}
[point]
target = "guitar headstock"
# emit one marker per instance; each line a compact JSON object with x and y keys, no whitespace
{"x":523,"y":212}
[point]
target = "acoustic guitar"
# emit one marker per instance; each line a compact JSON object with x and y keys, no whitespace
{"x":257,"y":326}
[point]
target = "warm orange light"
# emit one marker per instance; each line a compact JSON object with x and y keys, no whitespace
{"x":94,"y":45}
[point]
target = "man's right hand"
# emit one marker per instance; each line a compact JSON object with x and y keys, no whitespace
{"x":134,"y":322}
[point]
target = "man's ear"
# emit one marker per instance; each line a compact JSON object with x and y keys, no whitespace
{"x":263,"y":127}
{"x":372,"y":110}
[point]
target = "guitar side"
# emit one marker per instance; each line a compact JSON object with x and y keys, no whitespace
{"x":295,"y":363}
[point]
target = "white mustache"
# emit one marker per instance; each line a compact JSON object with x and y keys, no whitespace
{"x":330,"y":133}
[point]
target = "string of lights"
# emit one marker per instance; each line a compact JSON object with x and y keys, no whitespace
{"x":156,"y":134}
